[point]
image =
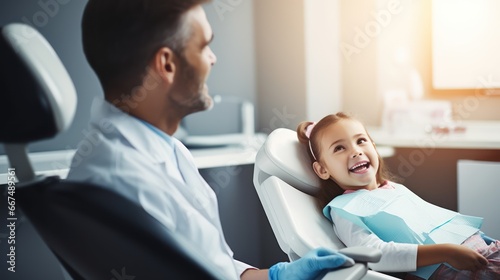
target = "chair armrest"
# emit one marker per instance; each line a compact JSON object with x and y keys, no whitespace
{"x":362,"y":254}
{"x":355,"y":272}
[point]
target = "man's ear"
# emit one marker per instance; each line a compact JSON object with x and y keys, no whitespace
{"x":321,"y":171}
{"x":164,"y":64}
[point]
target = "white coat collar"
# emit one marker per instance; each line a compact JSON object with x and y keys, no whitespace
{"x":106,"y":117}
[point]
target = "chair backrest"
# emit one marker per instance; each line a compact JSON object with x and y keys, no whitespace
{"x":285,"y":182}
{"x":38,"y":96}
{"x":36,"y":88}
{"x":99,"y":234}
{"x":284,"y":157}
{"x":94,"y":232}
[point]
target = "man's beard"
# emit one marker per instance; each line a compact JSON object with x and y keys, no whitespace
{"x":194,"y":89}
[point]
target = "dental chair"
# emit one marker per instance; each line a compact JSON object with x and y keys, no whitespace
{"x":94,"y":233}
{"x":285,"y":183}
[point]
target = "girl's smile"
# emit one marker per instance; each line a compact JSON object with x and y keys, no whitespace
{"x":360,"y":167}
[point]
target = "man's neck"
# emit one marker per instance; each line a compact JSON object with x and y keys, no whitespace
{"x":148,"y":110}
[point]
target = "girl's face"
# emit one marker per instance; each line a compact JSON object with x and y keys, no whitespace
{"x":348,"y":156}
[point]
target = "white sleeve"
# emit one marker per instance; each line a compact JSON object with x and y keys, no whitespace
{"x":396,"y":257}
{"x":242,"y":267}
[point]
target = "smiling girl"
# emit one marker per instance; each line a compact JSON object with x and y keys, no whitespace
{"x":368,"y":209}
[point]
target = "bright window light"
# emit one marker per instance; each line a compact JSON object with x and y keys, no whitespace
{"x":466,"y":44}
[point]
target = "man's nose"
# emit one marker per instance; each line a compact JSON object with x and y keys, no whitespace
{"x":213,"y":58}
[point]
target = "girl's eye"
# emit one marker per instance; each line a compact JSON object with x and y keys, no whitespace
{"x":362,"y":140}
{"x":338,"y":148}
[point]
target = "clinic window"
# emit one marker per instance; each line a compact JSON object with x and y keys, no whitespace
{"x":466,"y":47}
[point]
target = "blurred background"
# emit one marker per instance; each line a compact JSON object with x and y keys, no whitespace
{"x":404,"y":67}
{"x":297,"y":60}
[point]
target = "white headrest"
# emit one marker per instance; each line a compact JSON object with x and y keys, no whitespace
{"x":47,"y":69}
{"x":284,"y":157}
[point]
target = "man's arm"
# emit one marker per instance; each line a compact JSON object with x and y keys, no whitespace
{"x":255,"y":274}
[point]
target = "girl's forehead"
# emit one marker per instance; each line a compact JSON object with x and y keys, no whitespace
{"x":347,"y":125}
{"x":342,"y":129}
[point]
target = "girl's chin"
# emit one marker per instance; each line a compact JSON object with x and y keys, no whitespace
{"x":365,"y":184}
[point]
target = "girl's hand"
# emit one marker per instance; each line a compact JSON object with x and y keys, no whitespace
{"x":464,"y":258}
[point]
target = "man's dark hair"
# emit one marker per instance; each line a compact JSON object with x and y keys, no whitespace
{"x":121,"y":37}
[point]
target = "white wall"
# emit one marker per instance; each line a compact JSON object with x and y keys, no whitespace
{"x":234,"y":72}
{"x":279,"y":46}
{"x":298,"y":66}
{"x":359,"y":61}
{"x":323,"y":60}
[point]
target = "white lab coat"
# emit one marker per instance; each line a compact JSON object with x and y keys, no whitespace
{"x":122,"y":153}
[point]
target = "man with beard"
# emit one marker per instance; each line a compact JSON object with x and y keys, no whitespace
{"x":152,"y":58}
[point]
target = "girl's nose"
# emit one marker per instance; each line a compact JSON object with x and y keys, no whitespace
{"x":357,"y":154}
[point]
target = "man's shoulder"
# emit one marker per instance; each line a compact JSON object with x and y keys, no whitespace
{"x":99,"y":158}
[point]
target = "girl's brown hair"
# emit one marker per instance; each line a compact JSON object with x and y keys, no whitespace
{"x":329,"y":189}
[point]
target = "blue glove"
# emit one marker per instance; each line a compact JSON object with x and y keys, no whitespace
{"x":310,"y":266}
